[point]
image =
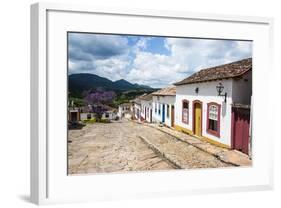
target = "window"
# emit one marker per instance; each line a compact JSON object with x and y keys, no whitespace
{"x":107,"y":115}
{"x":185,"y":111}
{"x":213,"y":119}
{"x":89,"y":116}
{"x":155,"y":106}
{"x":159,"y":108}
{"x":168,"y":110}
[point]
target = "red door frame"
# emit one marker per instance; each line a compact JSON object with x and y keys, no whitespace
{"x":193,"y":114}
{"x":209,"y":131}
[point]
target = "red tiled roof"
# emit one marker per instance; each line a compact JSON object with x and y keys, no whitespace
{"x":146,"y":97}
{"x":231,"y":70}
{"x":168,"y":91}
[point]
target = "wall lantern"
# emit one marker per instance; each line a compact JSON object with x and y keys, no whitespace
{"x":220,"y":88}
{"x":196,"y":90}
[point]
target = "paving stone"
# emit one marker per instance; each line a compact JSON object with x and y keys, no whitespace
{"x":113,"y":149}
{"x":226,"y":155}
{"x":128,"y":146}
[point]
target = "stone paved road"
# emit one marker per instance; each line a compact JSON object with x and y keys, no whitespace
{"x":112,"y":147}
{"x":117,"y":147}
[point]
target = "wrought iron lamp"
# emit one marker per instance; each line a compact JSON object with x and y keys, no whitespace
{"x":220,"y":88}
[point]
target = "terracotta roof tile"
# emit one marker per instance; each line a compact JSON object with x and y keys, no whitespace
{"x":168,"y":91}
{"x":146,"y":97}
{"x":231,"y":70}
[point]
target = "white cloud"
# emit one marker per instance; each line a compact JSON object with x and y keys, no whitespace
{"x":155,"y":70}
{"x":202,"y":53}
{"x":112,"y":57}
{"x":186,"y":57}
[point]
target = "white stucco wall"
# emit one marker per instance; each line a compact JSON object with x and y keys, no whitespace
{"x":137,"y":108}
{"x":83,"y":116}
{"x":242,"y":89}
{"x":207,"y":93}
{"x":111,"y":115}
{"x":162,"y":100}
{"x":148,"y":105}
{"x":122,"y":109}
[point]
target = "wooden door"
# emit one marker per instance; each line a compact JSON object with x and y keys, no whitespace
{"x":173,"y":116}
{"x":240,"y":129}
{"x":74,"y":116}
{"x":198,"y":119}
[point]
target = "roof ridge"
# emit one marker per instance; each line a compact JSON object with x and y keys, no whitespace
{"x":224,"y":71}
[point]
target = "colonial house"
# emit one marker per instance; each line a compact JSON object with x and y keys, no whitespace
{"x":73,"y":112}
{"x":73,"y":115}
{"x":214,"y":104}
{"x":109,"y":114}
{"x":124,"y":110}
{"x":164,"y":106}
{"x":146,"y":107}
{"x":85,"y":113}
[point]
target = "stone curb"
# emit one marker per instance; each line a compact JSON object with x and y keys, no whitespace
{"x":162,"y":154}
{"x":218,"y":155}
{"x":221,"y":155}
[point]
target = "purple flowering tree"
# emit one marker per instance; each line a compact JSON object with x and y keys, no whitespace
{"x":98,"y":99}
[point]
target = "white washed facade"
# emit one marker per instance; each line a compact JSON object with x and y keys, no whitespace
{"x":238,"y":91}
{"x":162,"y":109}
{"x":146,"y":110}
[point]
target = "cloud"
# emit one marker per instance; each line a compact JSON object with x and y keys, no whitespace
{"x":133,"y":57}
{"x":202,"y":53}
{"x":87,"y":46}
{"x":155,"y":70}
{"x":104,"y":55}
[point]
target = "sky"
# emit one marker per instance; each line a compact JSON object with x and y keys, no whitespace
{"x":150,"y":60}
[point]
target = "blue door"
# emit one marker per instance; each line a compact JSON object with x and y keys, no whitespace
{"x":163,"y":113}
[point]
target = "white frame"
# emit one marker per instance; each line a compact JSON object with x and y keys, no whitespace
{"x":39,"y":100}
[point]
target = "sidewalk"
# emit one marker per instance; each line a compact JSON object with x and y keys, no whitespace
{"x":229,"y":156}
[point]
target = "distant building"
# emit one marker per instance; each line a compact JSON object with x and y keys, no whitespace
{"x":146,"y":107}
{"x":86,"y":113}
{"x":110,"y":113}
{"x":124,"y":110}
{"x":214,"y":104}
{"x":73,"y":114}
{"x":164,"y":106}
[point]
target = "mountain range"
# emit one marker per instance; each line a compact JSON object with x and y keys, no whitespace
{"x":77,"y":83}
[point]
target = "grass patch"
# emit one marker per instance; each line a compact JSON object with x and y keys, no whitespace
{"x":94,"y":120}
{"x":90,"y":121}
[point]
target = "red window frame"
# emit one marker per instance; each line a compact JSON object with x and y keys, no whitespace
{"x":182,"y":113}
{"x":210,"y":131}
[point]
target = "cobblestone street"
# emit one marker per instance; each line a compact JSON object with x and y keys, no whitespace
{"x":127,"y":146}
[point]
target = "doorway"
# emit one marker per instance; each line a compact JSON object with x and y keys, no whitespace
{"x":240,"y":129}
{"x":173,"y":116}
{"x":197,"y":118}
